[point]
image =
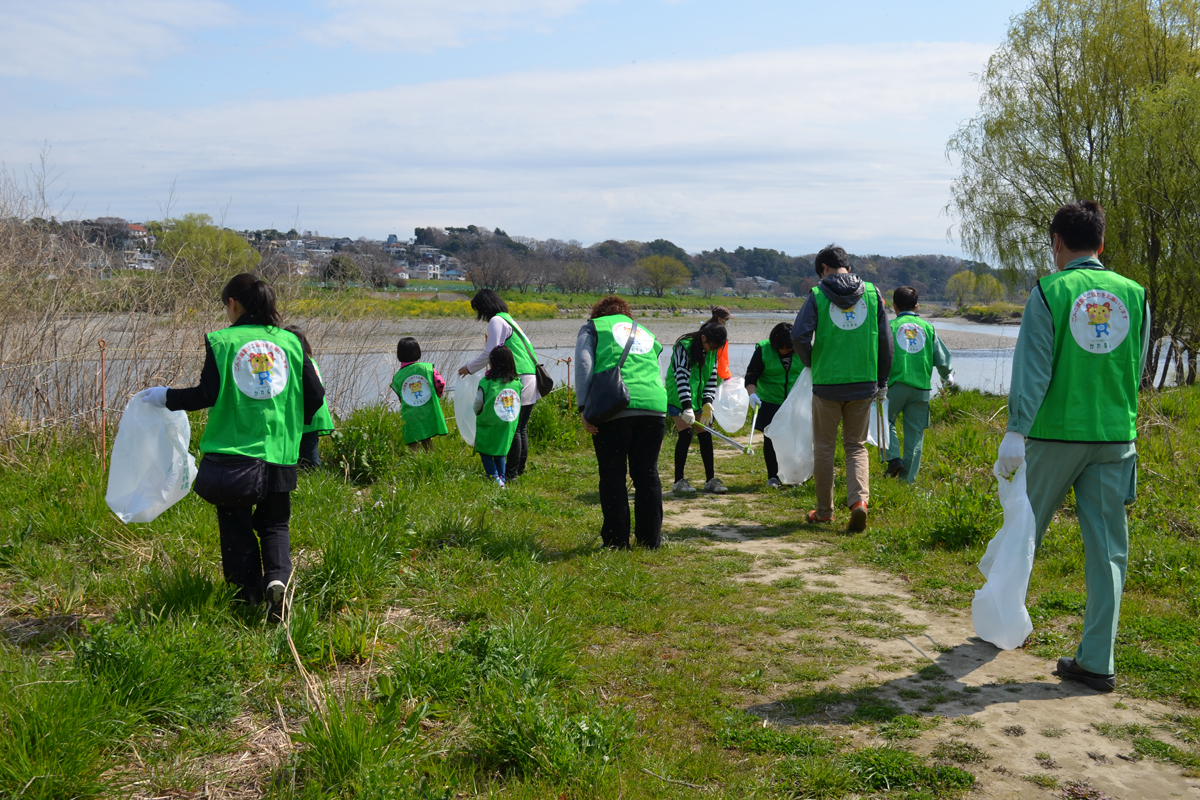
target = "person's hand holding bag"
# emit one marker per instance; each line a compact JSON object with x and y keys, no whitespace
{"x":155,"y":396}
{"x":1011,"y":454}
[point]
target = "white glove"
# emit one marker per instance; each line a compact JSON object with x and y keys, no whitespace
{"x":1012,"y":453}
{"x":754,"y":401}
{"x":706,"y":414}
{"x":689,"y":416}
{"x":155,"y":396}
{"x":950,"y":380}
{"x":881,"y":394}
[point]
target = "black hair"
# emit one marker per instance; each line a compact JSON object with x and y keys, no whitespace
{"x":255,"y":296}
{"x":833,"y":257}
{"x":501,"y":364}
{"x":298,"y":332}
{"x":487,"y":304}
{"x":905,"y":298}
{"x":713,"y":332}
{"x":1080,"y":224}
{"x":408,"y":349}
{"x":781,"y":336}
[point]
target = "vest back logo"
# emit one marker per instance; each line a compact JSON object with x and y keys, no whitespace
{"x":507,"y":405}
{"x":1099,"y":321}
{"x":416,"y":391}
{"x":642,"y":343}
{"x":260,"y":369}
{"x":910,"y":337}
{"x":849,"y":319}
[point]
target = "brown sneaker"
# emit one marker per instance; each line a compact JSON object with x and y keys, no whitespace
{"x":813,"y":518}
{"x":858,"y":517}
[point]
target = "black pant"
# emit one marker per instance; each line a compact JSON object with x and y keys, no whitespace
{"x":518,"y":453}
{"x":635,"y":441}
{"x":706,"y":453}
{"x":247,"y":565}
{"x":766,"y":413}
{"x":309,"y":450}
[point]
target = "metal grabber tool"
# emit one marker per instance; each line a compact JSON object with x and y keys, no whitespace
{"x":753,"y":422}
{"x":724,"y":438}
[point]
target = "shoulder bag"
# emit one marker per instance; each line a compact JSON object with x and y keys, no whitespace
{"x":545,"y":384}
{"x":608,"y":395}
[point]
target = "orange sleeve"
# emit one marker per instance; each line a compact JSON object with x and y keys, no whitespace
{"x":723,"y":362}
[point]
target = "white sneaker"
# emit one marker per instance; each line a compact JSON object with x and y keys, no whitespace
{"x":715,"y":487}
{"x":774,"y":483}
{"x":683,"y":487}
{"x":275,"y":594}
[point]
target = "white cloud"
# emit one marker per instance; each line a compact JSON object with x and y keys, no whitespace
{"x":425,"y":25}
{"x":787,"y":148}
{"x":88,"y":41}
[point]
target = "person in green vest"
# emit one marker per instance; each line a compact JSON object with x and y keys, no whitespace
{"x":693,"y":381}
{"x":1072,"y":417}
{"x":419,"y":387}
{"x":261,"y":391}
{"x":842,"y":335}
{"x":497,"y":410}
{"x":629,"y":442}
{"x":322,"y":423}
{"x":918,"y":351}
{"x":769,"y":378}
{"x":503,"y":329}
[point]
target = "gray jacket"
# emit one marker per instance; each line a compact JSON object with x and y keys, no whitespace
{"x":843,"y":290}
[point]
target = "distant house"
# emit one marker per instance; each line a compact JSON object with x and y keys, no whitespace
{"x":395,"y":249}
{"x":136,"y":231}
{"x":425,"y":251}
{"x":427,"y":272}
{"x":398,"y":273}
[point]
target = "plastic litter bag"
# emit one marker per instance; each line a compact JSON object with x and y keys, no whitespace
{"x":150,"y":468}
{"x":465,"y":387}
{"x":998,"y":610}
{"x":731,"y":404}
{"x":878,"y":427}
{"x":791,"y":432}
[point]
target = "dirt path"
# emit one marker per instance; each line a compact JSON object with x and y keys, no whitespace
{"x":1004,"y":714}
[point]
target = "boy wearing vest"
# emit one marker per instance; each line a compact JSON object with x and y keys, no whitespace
{"x":322,"y":421}
{"x":419,"y":387}
{"x":842,"y":335}
{"x":692,"y":379}
{"x":918,"y":351}
{"x":497,"y":409}
{"x":769,"y":378}
{"x":1072,"y":417}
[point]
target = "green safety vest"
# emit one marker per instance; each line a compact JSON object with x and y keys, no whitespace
{"x":526,"y":365}
{"x":640,"y":371}
{"x":322,"y":422}
{"x":776,"y":383}
{"x":260,"y":407}
{"x":913,"y":362}
{"x":419,"y":405}
{"x":497,"y":420}
{"x":697,"y":379}
{"x":1093,"y":394}
{"x":846,"y":341}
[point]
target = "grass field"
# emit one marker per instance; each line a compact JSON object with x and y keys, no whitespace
{"x":449,"y":638}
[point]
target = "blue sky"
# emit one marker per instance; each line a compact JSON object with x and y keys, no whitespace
{"x":774,"y":124}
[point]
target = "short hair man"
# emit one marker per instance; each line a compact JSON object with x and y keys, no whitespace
{"x":918,"y":351}
{"x":1074,"y":395}
{"x":842,"y":335}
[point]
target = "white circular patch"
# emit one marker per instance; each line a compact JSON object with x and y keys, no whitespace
{"x":507,"y":405}
{"x":642,"y":343}
{"x":260,"y":369}
{"x":416,"y":391}
{"x":910,"y":337}
{"x":1099,"y":321}
{"x":849,"y":318}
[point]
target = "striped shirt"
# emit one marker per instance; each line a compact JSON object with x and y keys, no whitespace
{"x":683,"y":375}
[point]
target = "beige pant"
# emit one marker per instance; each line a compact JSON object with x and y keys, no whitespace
{"x":854,"y":417}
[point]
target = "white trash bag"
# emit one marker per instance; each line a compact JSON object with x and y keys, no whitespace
{"x":731,"y":404}
{"x":998,"y":610}
{"x":150,"y":469}
{"x":878,"y":427}
{"x":791,"y":432}
{"x":465,"y":387}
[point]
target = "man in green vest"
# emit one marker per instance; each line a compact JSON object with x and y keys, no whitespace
{"x":918,"y":351}
{"x":1074,"y":394}
{"x":842,"y":335}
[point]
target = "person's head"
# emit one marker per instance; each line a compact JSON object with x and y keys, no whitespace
{"x":720,"y":314}
{"x":610,"y":305}
{"x":487,"y":304}
{"x":501,"y":365}
{"x":245,"y":295}
{"x":298,"y":332}
{"x":408,"y":349}
{"x":781,"y":338}
{"x":1077,"y":230}
{"x":905,"y":298}
{"x":711,"y":336}
{"x":831,"y":260}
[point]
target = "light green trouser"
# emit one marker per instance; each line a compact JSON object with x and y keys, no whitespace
{"x":913,"y":403}
{"x":1104,"y":477}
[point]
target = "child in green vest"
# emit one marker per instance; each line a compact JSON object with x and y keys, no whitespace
{"x":497,"y":409}
{"x":692,"y":382}
{"x":419,"y":387}
{"x":769,"y":379}
{"x":918,"y":351}
{"x":322,"y":422}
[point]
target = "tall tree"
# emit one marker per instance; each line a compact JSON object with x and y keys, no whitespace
{"x":664,"y":273}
